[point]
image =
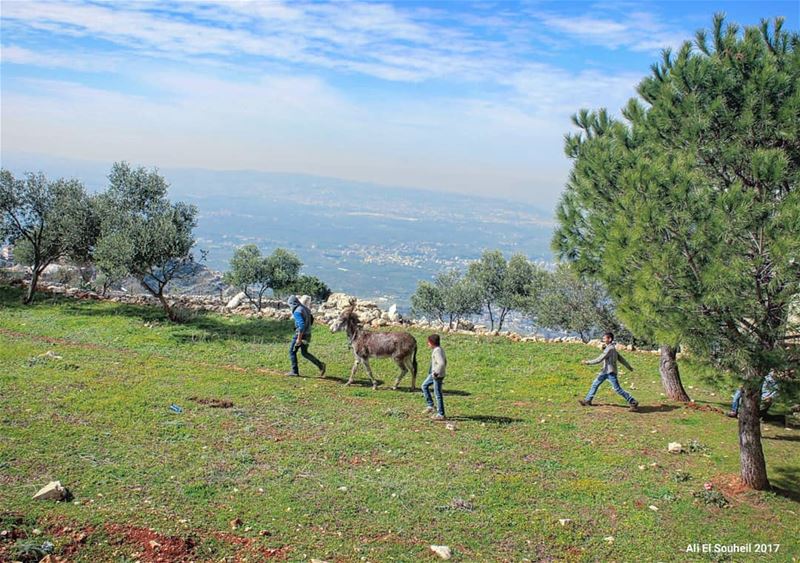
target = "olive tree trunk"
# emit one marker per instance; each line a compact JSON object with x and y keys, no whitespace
{"x":670,"y":376}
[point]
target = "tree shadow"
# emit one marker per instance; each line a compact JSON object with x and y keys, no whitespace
{"x":776,"y":420}
{"x":785,"y":482}
{"x":203,"y":326}
{"x":783,"y":438}
{"x":643,"y":409}
{"x":489,"y":419}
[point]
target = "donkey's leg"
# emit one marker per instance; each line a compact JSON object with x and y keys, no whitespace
{"x":365,"y":361}
{"x":402,"y":365}
{"x":410,"y":367}
{"x":353,"y":371}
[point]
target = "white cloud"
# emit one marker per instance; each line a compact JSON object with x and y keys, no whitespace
{"x":638,"y":31}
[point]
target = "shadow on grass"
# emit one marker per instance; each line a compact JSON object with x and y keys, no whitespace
{"x":783,"y":438}
{"x":359,"y":382}
{"x":643,"y":409}
{"x":488,"y":419}
{"x":203,"y":326}
{"x":785,"y":481}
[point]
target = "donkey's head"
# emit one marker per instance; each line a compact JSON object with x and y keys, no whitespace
{"x":348,"y":320}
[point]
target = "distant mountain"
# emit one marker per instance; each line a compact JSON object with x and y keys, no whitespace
{"x":365,"y":239}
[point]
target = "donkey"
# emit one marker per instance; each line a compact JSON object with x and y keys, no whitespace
{"x":400,"y":346}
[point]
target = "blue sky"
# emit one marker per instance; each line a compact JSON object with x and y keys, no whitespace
{"x":456,"y":96}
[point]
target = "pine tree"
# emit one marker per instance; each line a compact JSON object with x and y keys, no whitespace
{"x":689,"y":210}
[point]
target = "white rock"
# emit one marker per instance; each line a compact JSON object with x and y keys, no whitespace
{"x":52,"y":491}
{"x":609,"y":539}
{"x":236,"y":300}
{"x":674,"y":447}
{"x":306,"y":300}
{"x":442,"y":551}
{"x":565,"y":521}
{"x":318,"y":561}
{"x":653,"y":507}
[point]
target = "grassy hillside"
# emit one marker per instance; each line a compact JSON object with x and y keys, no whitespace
{"x":307,"y":468}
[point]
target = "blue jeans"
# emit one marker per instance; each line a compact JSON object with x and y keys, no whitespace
{"x":612,"y":378}
{"x":437,"y":390}
{"x":765,"y":396}
{"x":304,"y":351}
{"x":736,"y":397}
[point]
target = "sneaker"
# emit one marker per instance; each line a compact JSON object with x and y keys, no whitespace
{"x":437,"y":416}
{"x":322,"y":369}
{"x":585,"y":403}
{"x":428,"y":410}
{"x":634,"y":406}
{"x":732,"y":414}
{"x":292,"y":374}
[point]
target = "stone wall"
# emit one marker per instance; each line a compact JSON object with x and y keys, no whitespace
{"x":369,"y":313}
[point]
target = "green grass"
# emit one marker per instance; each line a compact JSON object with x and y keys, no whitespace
{"x":522,"y":456}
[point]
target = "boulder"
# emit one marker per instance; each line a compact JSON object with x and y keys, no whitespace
{"x":306,"y":300}
{"x":442,"y":551}
{"x":52,"y":491}
{"x":236,"y":300}
{"x":394,"y":316}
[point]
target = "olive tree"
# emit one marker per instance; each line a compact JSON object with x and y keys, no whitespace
{"x":142,"y":233}
{"x":46,"y":221}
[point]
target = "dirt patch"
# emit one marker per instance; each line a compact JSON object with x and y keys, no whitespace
{"x":213,"y":403}
{"x":151,"y":546}
{"x":72,"y":539}
{"x":735,"y":491}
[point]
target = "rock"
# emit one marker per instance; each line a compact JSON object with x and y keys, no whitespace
{"x":653,"y":507}
{"x":608,"y":539}
{"x":52,"y":491}
{"x":236,"y":300}
{"x":306,"y":300}
{"x":674,"y":447}
{"x":235,"y":523}
{"x":564,"y":521}
{"x":318,"y":561}
{"x":394,"y":316}
{"x":442,"y":551}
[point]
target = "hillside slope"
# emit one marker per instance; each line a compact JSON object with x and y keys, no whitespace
{"x":309,"y":468}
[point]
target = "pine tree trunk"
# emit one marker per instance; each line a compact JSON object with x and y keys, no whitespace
{"x":751,"y":455}
{"x":670,"y":376}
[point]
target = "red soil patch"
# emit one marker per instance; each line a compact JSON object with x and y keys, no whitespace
{"x":153,"y":547}
{"x":730,"y":485}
